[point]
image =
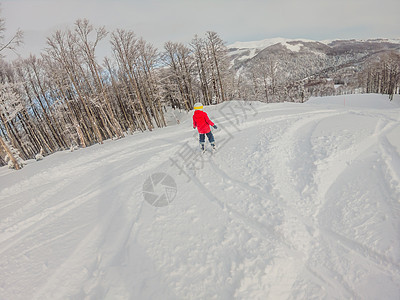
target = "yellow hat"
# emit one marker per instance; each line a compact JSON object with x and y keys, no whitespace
{"x":198,"y":105}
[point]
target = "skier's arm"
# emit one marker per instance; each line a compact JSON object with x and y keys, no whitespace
{"x":208,"y":121}
{"x":194,"y":123}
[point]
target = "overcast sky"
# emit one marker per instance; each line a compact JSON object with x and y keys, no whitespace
{"x":160,"y":21}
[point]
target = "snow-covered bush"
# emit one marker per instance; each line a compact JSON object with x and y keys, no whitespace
{"x":40,"y":156}
{"x":17,"y":164}
{"x":73,"y":148}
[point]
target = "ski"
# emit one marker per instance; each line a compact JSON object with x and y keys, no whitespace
{"x":211,"y":151}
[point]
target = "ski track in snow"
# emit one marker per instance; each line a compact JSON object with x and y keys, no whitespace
{"x":301,"y":202}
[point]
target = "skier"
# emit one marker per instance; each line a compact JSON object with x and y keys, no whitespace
{"x":202,"y":122}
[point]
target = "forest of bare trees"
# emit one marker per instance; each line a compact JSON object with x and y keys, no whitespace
{"x":66,"y":98}
{"x":382,"y":75}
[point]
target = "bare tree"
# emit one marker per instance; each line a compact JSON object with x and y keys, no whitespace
{"x":63,"y":49}
{"x":87,"y":47}
{"x":217,"y":52}
{"x":11,"y":106}
{"x":264,"y":73}
{"x":200,"y":53}
{"x":124,"y":46}
{"x":177,"y":58}
{"x":382,"y":75}
{"x":11,"y":44}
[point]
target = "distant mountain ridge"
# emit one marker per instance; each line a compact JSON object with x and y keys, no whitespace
{"x":307,"y":67}
{"x":247,"y":50}
{"x":307,"y":56}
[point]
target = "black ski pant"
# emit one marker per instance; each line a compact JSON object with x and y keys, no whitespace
{"x":210,"y":136}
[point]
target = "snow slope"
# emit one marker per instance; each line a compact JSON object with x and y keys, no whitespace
{"x":301,"y":201}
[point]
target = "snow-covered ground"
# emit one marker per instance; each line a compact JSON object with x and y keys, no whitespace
{"x":301,"y":201}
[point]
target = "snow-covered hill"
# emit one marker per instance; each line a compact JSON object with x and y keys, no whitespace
{"x":247,"y":50}
{"x":299,"y":60}
{"x":301,"y":201}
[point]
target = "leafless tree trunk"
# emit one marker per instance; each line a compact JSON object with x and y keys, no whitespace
{"x":63,"y":49}
{"x":125,"y":50}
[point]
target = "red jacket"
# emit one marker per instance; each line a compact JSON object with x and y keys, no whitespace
{"x":201,"y":121}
